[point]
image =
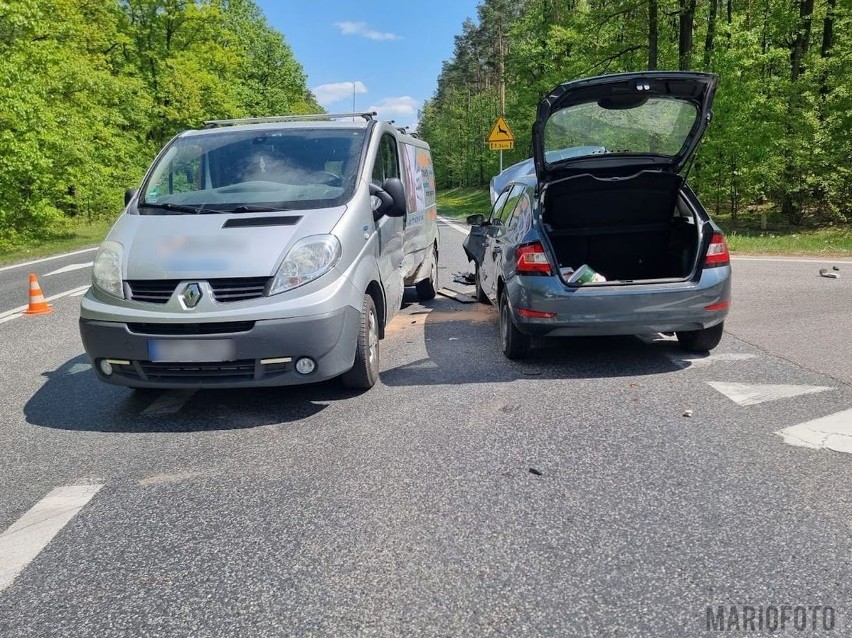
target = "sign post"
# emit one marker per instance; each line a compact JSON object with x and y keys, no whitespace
{"x":501,"y":138}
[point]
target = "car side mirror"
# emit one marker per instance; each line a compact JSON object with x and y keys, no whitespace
{"x":391,"y":198}
{"x":476,"y":220}
{"x":129,"y":194}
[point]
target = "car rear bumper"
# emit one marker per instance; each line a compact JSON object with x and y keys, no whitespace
{"x":619,"y":310}
{"x":263,"y":353}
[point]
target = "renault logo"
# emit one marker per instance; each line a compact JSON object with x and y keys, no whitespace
{"x":191,"y":295}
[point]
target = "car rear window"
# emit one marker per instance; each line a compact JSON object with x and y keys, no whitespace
{"x":655,"y":126}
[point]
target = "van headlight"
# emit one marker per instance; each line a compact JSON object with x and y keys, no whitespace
{"x":106,"y":271}
{"x":308,"y":259}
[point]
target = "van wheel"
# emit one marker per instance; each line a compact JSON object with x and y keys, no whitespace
{"x":365,"y":372}
{"x":428,"y":288}
{"x":701,"y":340}
{"x":481,"y":297}
{"x":515,"y":344}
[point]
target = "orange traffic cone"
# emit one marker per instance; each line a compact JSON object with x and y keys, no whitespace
{"x":38,"y":306}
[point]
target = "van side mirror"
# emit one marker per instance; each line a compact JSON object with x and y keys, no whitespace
{"x":475,"y":220}
{"x":129,"y":194}
{"x":391,"y":198}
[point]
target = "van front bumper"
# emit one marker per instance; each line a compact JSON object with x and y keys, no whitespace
{"x":260,"y":353}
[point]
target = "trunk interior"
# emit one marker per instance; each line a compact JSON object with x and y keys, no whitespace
{"x":626,"y":229}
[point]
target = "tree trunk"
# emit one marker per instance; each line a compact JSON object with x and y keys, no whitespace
{"x":711,"y":33}
{"x":653,"y":35}
{"x":687,"y":16}
{"x":825,"y":49}
{"x":791,"y":206}
{"x":802,"y":39}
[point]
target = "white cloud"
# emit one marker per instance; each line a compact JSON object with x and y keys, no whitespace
{"x":337,"y":92}
{"x":361,"y":28}
{"x":395,"y":107}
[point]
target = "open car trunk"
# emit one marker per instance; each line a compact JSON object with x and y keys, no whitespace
{"x":627,"y":229}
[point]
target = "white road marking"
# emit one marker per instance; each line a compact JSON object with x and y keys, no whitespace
{"x":754,"y":393}
{"x":69,"y":268}
{"x":453,"y":225}
{"x":44,"y":259}
{"x":795,"y":260}
{"x":833,"y":432}
{"x":687,"y":361}
{"x":31,"y":533}
{"x":169,"y":402}
{"x":16,"y":312}
{"x":77,"y":368}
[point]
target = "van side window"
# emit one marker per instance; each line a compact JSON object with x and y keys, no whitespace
{"x":387,"y":160}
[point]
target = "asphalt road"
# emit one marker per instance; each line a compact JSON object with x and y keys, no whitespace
{"x":465,"y":495}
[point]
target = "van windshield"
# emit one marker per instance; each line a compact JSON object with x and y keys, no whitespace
{"x":254,"y":171}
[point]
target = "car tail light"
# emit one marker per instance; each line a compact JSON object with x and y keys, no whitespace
{"x":535,"y":314}
{"x":717,"y":253}
{"x":532,"y":260}
{"x":722,"y":305}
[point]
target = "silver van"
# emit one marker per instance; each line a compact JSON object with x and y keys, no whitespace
{"x":264,"y":252}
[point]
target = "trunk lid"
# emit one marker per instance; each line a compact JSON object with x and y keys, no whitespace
{"x":623,"y":121}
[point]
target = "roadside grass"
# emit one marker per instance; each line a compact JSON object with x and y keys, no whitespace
{"x":835,"y":241}
{"x":826,"y":242}
{"x":82,"y":236}
{"x":458,"y":203}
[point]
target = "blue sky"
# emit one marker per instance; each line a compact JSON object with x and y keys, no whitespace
{"x":391,"y":50}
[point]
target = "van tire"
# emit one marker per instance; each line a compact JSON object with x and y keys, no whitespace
{"x":701,"y":340}
{"x":364,"y":374}
{"x":428,"y":288}
{"x":514,"y":343}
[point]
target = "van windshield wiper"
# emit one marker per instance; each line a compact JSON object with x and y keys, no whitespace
{"x":178,"y":208}
{"x":248,"y":208}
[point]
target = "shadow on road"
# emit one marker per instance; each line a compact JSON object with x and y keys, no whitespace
{"x":463,"y":346}
{"x":73,"y":399}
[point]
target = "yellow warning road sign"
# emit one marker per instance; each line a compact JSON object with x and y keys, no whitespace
{"x":500,"y":132}
{"x":501,"y":146}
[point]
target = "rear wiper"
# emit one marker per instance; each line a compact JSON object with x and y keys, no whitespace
{"x":178,"y":208}
{"x":258,"y":209}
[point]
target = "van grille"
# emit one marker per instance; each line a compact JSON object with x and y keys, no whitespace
{"x":221,"y":327}
{"x":238,"y":289}
{"x":152,"y":291}
{"x":199,"y":372}
{"x":159,"y":291}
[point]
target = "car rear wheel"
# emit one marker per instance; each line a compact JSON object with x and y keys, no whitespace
{"x":701,"y":340}
{"x":481,"y":297}
{"x":515,"y":344}
{"x":428,"y":288}
{"x":365,"y":372}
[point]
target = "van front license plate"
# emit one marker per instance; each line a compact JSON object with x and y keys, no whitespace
{"x":191,"y":350}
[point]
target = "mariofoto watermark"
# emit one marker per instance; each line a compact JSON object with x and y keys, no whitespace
{"x":747,"y":618}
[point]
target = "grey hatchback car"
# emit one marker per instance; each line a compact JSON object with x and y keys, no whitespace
{"x":600,"y":235}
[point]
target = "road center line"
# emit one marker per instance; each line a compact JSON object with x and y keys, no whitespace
{"x":44,"y":259}
{"x":453,"y":225}
{"x":14,"y":313}
{"x":31,"y":533}
{"x":69,"y":268}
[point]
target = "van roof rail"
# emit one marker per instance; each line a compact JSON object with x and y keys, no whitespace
{"x":406,"y":130}
{"x":287,"y":118}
